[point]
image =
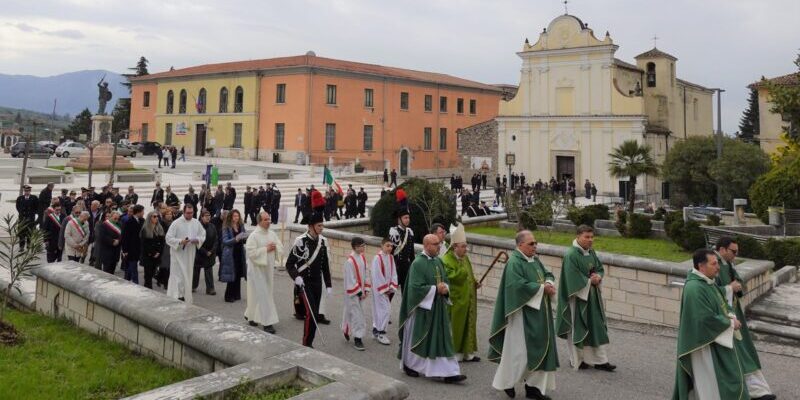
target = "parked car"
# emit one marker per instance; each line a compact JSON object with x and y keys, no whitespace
{"x":35,"y":149}
{"x":71,"y":149}
{"x":147,"y":148}
{"x":126,"y":150}
{"x":50,"y":145}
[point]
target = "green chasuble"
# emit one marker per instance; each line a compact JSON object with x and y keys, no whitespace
{"x":432,"y":336}
{"x":590,"y":322}
{"x":703,"y":317}
{"x":745,"y":347}
{"x":520,"y":282}
{"x":464,"y":299}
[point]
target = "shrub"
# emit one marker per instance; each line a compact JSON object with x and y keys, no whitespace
{"x":750,"y":248}
{"x":542,"y":209}
{"x":778,"y":187}
{"x":782,"y":252}
{"x":428,"y":202}
{"x":659,"y":214}
{"x":687,"y":235}
{"x":669,"y":222}
{"x":621,"y":222}
{"x":587,"y":215}
{"x":640,"y":226}
{"x":527,"y":221}
{"x":713,"y":220}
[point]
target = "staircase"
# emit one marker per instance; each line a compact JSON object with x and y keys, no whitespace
{"x":777,"y":315}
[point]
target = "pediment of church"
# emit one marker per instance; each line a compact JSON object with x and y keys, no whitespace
{"x":564,"y":32}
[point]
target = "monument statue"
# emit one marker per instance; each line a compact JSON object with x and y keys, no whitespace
{"x":104,"y":95}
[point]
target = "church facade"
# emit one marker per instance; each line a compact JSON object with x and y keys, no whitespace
{"x":576,"y":102}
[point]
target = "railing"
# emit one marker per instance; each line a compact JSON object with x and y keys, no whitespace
{"x":373,"y":165}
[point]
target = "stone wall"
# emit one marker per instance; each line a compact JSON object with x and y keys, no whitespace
{"x":635,"y":289}
{"x":191,"y":337}
{"x":478,"y":140}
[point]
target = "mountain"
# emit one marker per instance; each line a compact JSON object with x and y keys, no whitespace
{"x":74,"y":91}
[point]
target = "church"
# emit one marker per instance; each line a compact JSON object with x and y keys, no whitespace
{"x":576,"y":102}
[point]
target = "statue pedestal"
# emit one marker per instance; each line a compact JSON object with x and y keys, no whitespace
{"x":103,"y":155}
{"x":101,"y":128}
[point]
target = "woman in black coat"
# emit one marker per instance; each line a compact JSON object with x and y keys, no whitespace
{"x":206,"y":255}
{"x":152,"y":238}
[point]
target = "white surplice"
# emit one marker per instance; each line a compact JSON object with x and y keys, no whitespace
{"x":260,"y":276}
{"x":355,"y":281}
{"x":384,"y":284}
{"x":182,"y":256}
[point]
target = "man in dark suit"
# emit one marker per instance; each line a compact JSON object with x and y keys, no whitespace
{"x":109,"y":237}
{"x":116,"y":197}
{"x":275,"y":204}
{"x":219,"y":201}
{"x":45,"y":198}
{"x":158,"y":194}
{"x":362,"y":202}
{"x":230,"y":198}
{"x":298,"y":204}
{"x":248,"y":204}
{"x":53,"y":218}
{"x":27,"y":208}
{"x":132,"y":244}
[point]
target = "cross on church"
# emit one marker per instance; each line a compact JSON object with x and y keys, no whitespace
{"x":565,"y":7}
{"x":655,"y":41}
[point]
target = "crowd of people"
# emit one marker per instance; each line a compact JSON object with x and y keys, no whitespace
{"x":165,"y":154}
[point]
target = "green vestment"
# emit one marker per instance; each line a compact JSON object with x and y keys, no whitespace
{"x":703,"y":317}
{"x":520,"y":282}
{"x":745,"y":347}
{"x":590,"y":322}
{"x":432,"y":337}
{"x":464,"y":299}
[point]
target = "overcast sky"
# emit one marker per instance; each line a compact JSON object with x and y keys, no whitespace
{"x":718,"y":43}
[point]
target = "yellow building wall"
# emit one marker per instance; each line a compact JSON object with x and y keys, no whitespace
{"x":770,"y":124}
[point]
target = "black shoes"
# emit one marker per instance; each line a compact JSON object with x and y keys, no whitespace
{"x":584,"y":366}
{"x":410,"y":372}
{"x":251,"y":323}
{"x":455,"y":378}
{"x":269,"y":329}
{"x":346,"y":337}
{"x":211,"y":292}
{"x":532,"y":392}
{"x":606,"y":367}
{"x":510,"y":392}
{"x":473,"y":359}
{"x":358,"y":344}
{"x":322,"y":320}
{"x":300,"y":317}
{"x":767,"y":397}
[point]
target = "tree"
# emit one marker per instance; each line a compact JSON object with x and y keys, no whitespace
{"x":81,"y":125}
{"x":779,"y":187}
{"x":630,"y":160}
{"x":428,"y":202}
{"x":785,"y":101}
{"x":693,"y":171}
{"x":121,"y":115}
{"x":140,"y":70}
{"x":748,"y":125}
{"x":19,"y":263}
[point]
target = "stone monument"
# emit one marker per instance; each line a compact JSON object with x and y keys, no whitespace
{"x":103,"y":154}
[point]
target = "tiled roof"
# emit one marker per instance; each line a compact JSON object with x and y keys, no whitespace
{"x":687,"y":83}
{"x":656,"y":53}
{"x":317,"y":62}
{"x":625,"y":65}
{"x":785,"y":80}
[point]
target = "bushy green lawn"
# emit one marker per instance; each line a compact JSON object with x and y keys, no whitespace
{"x":60,"y":361}
{"x":657,"y":249}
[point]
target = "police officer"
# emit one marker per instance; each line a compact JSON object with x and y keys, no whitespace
{"x":402,"y":238}
{"x":307,"y":264}
{"x":27,"y":208}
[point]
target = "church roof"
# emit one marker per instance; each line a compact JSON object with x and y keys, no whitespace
{"x":656,"y":53}
{"x":694,"y":85}
{"x":623,"y":64}
{"x":312,"y":61}
{"x":785,"y":80}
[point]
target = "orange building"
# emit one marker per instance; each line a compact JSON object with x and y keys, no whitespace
{"x":308,"y":109}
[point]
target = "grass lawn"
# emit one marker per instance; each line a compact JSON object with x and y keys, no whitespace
{"x":61,"y":168}
{"x":657,"y":249}
{"x":60,"y":361}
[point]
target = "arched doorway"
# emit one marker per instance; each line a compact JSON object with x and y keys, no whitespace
{"x":404,"y":161}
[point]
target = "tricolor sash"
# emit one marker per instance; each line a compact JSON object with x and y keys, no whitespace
{"x":113,"y":227}
{"x":55,"y":220}
{"x":77,"y":226}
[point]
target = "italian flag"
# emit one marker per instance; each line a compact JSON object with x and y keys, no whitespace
{"x":327,"y":179}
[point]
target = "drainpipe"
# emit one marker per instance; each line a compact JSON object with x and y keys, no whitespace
{"x":259,"y":77}
{"x":309,"y":119}
{"x":684,"y":111}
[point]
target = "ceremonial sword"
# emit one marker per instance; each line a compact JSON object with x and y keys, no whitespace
{"x":309,"y":310}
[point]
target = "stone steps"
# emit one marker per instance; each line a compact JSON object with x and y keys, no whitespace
{"x":777,"y":313}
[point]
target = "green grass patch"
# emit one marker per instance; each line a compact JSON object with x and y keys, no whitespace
{"x":248,"y":392}
{"x":60,"y":361}
{"x":61,"y":168}
{"x":657,"y":249}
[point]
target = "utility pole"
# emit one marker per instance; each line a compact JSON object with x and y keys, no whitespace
{"x":28,"y":139}
{"x":718,"y":137}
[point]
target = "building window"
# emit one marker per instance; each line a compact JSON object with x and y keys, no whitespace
{"x":182,"y":102}
{"x":330,"y":136}
{"x":442,"y":138}
{"x":145,"y":130}
{"x":473,"y":106}
{"x":330,"y":93}
{"x":280,"y":93}
{"x":428,"y":102}
{"x":168,"y":134}
{"x":651,"y":74}
{"x":146,"y":99}
{"x":237,"y":135}
{"x":426,"y":139}
{"x":170,"y":102}
{"x":223,"y":100}
{"x":460,"y":106}
{"x":404,"y":100}
{"x":443,"y":104}
{"x":368,"y":98}
{"x":367,"y":137}
{"x":238,"y":100}
{"x":280,"y":136}
{"x":201,"y":101}
{"x":695,"y":109}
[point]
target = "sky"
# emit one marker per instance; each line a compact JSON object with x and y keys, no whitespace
{"x":718,"y":43}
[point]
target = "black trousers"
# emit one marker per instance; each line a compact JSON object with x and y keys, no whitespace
{"x":297,"y":214}
{"x":233,"y":291}
{"x":71,"y":258}
{"x":310,"y":298}
{"x":208,"y":274}
{"x":53,"y":256}
{"x":109,"y":267}
{"x":149,"y":272}
{"x":402,"y":272}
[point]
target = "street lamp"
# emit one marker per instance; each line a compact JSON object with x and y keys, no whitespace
{"x":718,"y":137}
{"x":28,"y":139}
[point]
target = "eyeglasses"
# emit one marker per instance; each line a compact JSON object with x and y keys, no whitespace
{"x":532,"y":243}
{"x":734,"y":251}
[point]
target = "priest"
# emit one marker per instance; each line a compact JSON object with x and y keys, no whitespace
{"x":580,"y":318}
{"x":463,"y":295}
{"x":184,"y":236}
{"x":523,"y":319}
{"x":728,"y":279}
{"x":264,"y":251}
{"x":708,"y":366}
{"x":426,"y":342}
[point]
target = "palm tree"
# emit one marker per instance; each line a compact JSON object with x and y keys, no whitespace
{"x":630,"y":160}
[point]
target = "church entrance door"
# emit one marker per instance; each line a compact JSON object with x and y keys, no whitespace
{"x":565,"y":167}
